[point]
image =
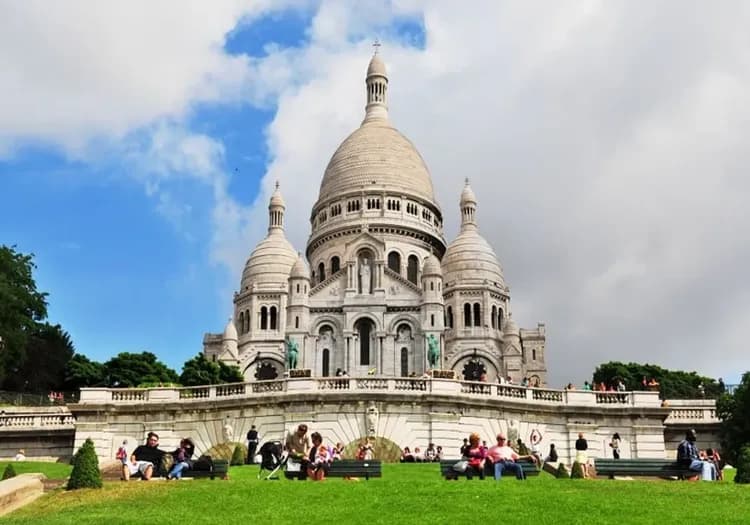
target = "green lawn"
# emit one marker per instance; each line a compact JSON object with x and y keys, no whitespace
{"x":51,"y":470}
{"x":412,"y":493}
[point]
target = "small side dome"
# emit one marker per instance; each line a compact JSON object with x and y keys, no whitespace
{"x":300,"y":269}
{"x":376,"y":67}
{"x":276,"y":198}
{"x":511,"y":328}
{"x":230,"y":332}
{"x":467,"y":195}
{"x":431,"y":267}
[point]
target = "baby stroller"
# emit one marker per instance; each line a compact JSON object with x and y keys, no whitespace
{"x":272,"y":457}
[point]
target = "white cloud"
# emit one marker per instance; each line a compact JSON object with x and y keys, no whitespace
{"x":607,"y":143}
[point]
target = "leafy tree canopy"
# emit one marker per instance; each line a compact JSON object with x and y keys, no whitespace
{"x":201,"y":371}
{"x":733,"y":411}
{"x":48,"y":351}
{"x":22,"y":307}
{"x":131,"y":370}
{"x":672,"y":384}
{"x":81,"y":372}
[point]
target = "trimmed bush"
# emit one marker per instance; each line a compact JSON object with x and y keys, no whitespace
{"x":238,"y":456}
{"x":743,"y":466}
{"x":9,"y":472}
{"x":576,"y":471}
{"x":85,"y":473}
{"x":562,"y":471}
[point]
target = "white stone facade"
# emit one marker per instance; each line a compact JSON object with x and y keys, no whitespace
{"x":378,"y":278}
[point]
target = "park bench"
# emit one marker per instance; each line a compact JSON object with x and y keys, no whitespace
{"x":662,"y":468}
{"x":217,"y":468}
{"x":349,"y":468}
{"x":446,"y":469}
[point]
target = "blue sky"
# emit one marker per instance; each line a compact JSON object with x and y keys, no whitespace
{"x":121,"y":275}
{"x":139,"y":145}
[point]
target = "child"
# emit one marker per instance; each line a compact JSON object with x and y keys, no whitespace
{"x":122,"y":453}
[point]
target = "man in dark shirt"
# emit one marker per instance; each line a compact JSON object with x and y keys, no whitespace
{"x":687,"y":455}
{"x":145,"y":460}
{"x":252,"y":445}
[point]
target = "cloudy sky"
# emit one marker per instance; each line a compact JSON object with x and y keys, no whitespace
{"x":607,"y":142}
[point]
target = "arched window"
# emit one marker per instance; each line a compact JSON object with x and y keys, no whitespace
{"x":264,"y":318}
{"x":335,"y":264}
{"x":450,"y":317}
{"x":321,"y":272}
{"x":364,"y":329}
{"x":477,"y":315}
{"x":296,"y":321}
{"x":273,"y":318}
{"x":499,"y":318}
{"x":394,"y":262}
{"x":247,"y":321}
{"x":432,"y":319}
{"x":242,"y":322}
{"x":432,"y":285}
{"x":467,"y":315}
{"x":494,"y":315}
{"x":326,"y":365}
{"x":404,"y":362}
{"x":297,"y":287}
{"x":533,"y":354}
{"x":412,"y":268}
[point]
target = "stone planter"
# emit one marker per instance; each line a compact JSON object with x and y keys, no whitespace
{"x":302,"y":372}
{"x":443,"y":374}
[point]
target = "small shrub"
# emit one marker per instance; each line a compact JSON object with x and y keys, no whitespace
{"x":562,"y":471}
{"x":238,"y":456}
{"x":9,"y":472}
{"x":743,"y":466}
{"x":85,"y":473}
{"x":576,"y":471}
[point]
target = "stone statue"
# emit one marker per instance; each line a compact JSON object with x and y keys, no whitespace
{"x":512,"y":433}
{"x":364,"y":276}
{"x":228,"y":432}
{"x":433,"y":353}
{"x":291,"y":353}
{"x":372,"y":419}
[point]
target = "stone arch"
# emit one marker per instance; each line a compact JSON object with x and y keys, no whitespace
{"x":412,"y":268}
{"x":327,"y":319}
{"x":412,"y":321}
{"x":263,"y":362}
{"x":394,"y":260}
{"x":488,"y":354}
{"x":364,"y":244}
{"x":335,"y":264}
{"x":364,"y":315}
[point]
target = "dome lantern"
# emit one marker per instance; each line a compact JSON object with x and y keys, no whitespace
{"x":377,"y":89}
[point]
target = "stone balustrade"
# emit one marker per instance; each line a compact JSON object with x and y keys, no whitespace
{"x":400,"y":386}
{"x":22,"y":419}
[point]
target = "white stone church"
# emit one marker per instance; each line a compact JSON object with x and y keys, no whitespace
{"x":381,"y":278}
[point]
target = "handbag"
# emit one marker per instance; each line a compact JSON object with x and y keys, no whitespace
{"x":460,"y":466}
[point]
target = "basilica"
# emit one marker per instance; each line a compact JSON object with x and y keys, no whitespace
{"x":378,"y":290}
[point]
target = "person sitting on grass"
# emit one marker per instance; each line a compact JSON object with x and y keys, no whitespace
{"x":407,"y":456}
{"x":182,"y":459}
{"x":318,"y":459}
{"x":145,"y":460}
{"x":505,"y":458}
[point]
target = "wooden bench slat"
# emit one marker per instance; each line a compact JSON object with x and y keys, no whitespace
{"x":446,"y":469}
{"x":641,"y":467}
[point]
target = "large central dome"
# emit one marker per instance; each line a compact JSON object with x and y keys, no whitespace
{"x":377,"y":153}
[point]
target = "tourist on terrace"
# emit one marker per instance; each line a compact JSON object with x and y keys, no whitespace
{"x":687,"y":455}
{"x":504,"y":458}
{"x":146,"y":460}
{"x":586,"y":385}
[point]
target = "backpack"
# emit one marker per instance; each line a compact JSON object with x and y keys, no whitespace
{"x":121,"y":453}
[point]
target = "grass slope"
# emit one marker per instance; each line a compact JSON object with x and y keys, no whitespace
{"x":51,"y":470}
{"x":412,"y":493}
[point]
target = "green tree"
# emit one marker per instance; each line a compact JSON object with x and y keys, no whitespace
{"x":131,"y":370}
{"x":48,"y":351}
{"x":672,"y":384}
{"x":81,"y":372}
{"x":201,"y":371}
{"x":9,"y":471}
{"x":733,"y":410}
{"x":22,"y":307}
{"x":85,"y":474}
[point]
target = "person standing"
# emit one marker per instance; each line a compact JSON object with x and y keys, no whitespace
{"x":581,"y":455}
{"x":252,"y":445}
{"x":615,"y":445}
